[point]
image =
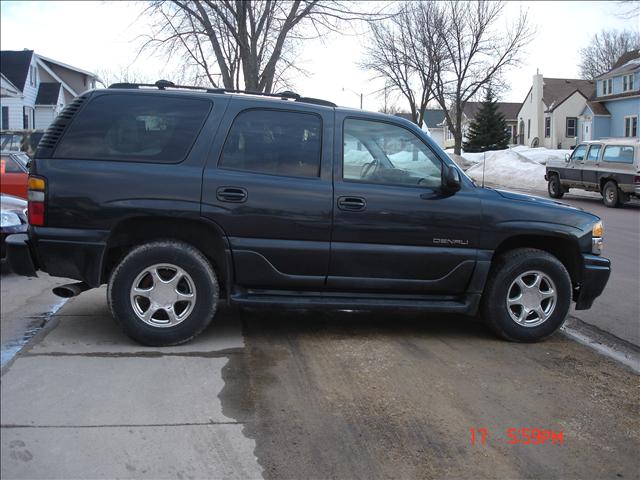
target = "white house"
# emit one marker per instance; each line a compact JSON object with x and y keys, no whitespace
{"x":34,"y":89}
{"x":432,"y":123}
{"x":548,"y":116}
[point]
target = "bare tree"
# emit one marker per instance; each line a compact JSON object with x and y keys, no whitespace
{"x":604,"y":51}
{"x":628,"y":9}
{"x":229,"y":43}
{"x":120,"y":74}
{"x":395,"y":56}
{"x":472,"y":53}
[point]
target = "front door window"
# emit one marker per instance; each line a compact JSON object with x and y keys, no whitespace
{"x":382,"y":153}
{"x":578,"y":153}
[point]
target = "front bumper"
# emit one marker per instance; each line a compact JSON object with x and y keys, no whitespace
{"x":594,"y":277}
{"x":5,"y":232}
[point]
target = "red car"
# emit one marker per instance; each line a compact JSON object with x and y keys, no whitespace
{"x":14,"y":173}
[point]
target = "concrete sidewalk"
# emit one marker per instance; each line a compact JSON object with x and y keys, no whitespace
{"x":87,"y":402}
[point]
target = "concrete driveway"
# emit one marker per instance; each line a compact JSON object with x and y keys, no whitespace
{"x":312,"y":395}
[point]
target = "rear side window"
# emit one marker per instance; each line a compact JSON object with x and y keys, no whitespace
{"x":618,"y":153}
{"x":275,"y":142}
{"x":139,"y":128}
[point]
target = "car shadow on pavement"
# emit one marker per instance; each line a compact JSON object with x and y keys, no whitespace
{"x":361,"y":323}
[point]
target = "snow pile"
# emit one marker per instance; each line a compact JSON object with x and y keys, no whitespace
{"x":540,"y":154}
{"x":508,"y":168}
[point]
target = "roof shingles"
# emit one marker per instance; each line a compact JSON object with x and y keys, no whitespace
{"x":15,"y":66}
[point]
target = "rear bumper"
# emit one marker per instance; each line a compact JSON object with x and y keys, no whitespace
{"x":61,"y":252}
{"x":595,"y":275}
{"x":19,"y":255}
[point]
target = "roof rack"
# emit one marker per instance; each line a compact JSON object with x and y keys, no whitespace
{"x":166,"y":84}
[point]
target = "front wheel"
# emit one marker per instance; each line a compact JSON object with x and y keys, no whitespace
{"x":555,"y":187}
{"x":527,"y":296}
{"x":163,"y":293}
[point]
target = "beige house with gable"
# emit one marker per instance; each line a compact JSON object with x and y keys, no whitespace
{"x":548,"y":116}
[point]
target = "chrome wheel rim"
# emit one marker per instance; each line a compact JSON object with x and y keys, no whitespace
{"x":610,"y":195}
{"x":531,"y":298}
{"x":163,"y":295}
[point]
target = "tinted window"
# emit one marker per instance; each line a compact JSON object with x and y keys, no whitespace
{"x":144,"y":128}
{"x":377,"y":152}
{"x":578,"y":153}
{"x":274,"y":142}
{"x":617,"y":153}
{"x":594,"y":151}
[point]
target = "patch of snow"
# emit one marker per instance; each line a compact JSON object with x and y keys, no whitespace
{"x":540,"y":154}
{"x":509,"y":168}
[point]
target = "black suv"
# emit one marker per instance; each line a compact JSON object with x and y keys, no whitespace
{"x":179,"y":198}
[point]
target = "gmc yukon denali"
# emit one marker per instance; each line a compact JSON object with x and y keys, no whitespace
{"x":181,"y":198}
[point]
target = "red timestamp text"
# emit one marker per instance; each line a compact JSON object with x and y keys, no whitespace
{"x":523,"y":436}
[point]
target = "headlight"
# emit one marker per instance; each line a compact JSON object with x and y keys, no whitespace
{"x":597,"y":243}
{"x":597,"y":230}
{"x":9,"y":219}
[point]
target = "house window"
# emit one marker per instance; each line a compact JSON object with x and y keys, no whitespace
{"x":547,"y":127}
{"x":627,"y":83}
{"x":571,"y":127}
{"x":631,"y":126}
{"x":32,"y":76}
{"x":27,"y":117}
{"x":607,"y":86}
{"x":5,"y":118}
{"x":528,"y":128}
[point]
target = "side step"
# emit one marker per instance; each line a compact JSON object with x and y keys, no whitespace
{"x":464,"y":304}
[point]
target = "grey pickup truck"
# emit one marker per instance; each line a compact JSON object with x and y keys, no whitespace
{"x":610,"y":167}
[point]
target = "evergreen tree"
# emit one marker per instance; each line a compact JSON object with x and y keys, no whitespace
{"x":488,"y":130}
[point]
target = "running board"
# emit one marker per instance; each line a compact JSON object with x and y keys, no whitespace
{"x":465,"y":304}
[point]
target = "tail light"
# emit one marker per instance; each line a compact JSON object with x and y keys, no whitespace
{"x":636,"y":179}
{"x":36,"y":209}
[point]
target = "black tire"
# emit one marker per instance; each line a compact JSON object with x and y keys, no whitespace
{"x":554,"y":187}
{"x":504,"y":272}
{"x":182,"y":255}
{"x":611,"y":195}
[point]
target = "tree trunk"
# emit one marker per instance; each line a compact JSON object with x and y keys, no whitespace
{"x":457,"y":132}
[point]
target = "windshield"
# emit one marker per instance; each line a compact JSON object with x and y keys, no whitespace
{"x":10,"y":142}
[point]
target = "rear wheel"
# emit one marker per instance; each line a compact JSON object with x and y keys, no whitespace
{"x":163,"y":293}
{"x":527,"y":296}
{"x":610,"y":194}
{"x":555,"y":187}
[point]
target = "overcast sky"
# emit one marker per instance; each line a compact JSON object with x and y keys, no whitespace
{"x":98,"y":36}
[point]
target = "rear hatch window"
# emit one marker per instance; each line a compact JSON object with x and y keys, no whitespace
{"x":140,"y":128}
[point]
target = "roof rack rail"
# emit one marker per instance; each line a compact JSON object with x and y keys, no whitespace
{"x":165,"y":84}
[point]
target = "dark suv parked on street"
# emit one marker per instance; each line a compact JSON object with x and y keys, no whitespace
{"x":179,"y":198}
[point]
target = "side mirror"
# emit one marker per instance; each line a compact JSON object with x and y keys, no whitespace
{"x":566,"y":157}
{"x":451,"y":179}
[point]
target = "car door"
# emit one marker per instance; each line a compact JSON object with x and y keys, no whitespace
{"x":394,"y":229}
{"x":268,"y":185}
{"x":14,"y":176}
{"x":572,"y":173}
{"x":591,"y":165}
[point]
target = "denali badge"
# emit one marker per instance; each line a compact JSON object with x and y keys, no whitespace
{"x":450,"y":241}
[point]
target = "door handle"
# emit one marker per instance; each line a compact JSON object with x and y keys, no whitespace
{"x":352,"y":204}
{"x":231,"y":194}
